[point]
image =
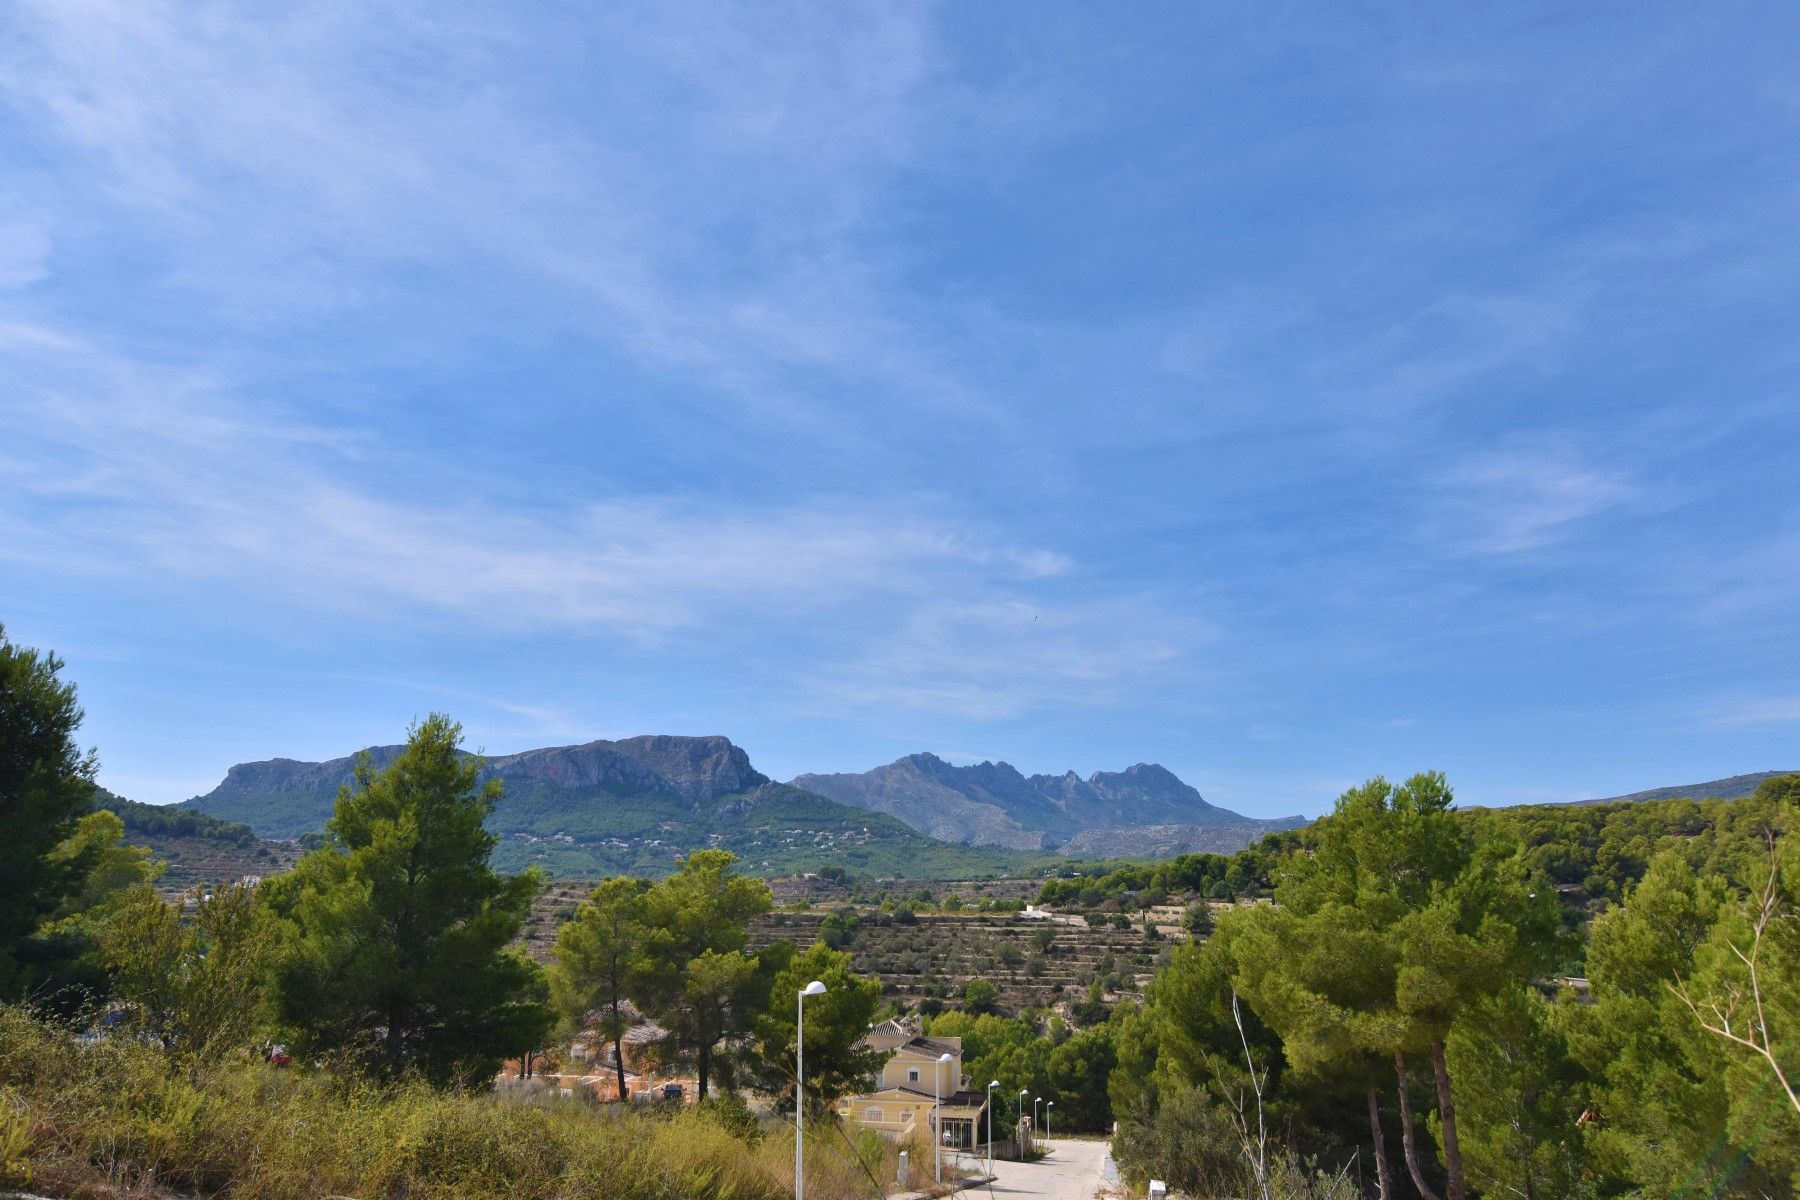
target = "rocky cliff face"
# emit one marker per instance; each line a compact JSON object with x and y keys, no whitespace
{"x":992,"y":803}
{"x":283,"y":797}
{"x":290,"y":775}
{"x":701,"y":768}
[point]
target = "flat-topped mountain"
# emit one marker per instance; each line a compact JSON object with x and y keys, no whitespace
{"x":629,"y":805}
{"x":993,"y":804}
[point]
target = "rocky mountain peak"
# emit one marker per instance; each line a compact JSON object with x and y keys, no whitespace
{"x":700,"y":767}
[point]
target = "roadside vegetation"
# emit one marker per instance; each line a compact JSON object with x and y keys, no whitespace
{"x":118,"y":1118}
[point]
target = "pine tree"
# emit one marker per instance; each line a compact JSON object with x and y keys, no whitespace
{"x":600,"y":961}
{"x":837,"y":1061}
{"x":698,"y":982}
{"x":400,"y":950}
{"x":46,"y":785}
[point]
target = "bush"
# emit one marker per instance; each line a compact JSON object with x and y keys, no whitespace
{"x":979,"y":996}
{"x":113,"y":1118}
{"x":1189,"y":1142}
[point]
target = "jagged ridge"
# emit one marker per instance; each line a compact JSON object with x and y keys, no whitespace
{"x":992,"y":803}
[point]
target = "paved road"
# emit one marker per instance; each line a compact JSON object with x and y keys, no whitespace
{"x":1071,"y":1171}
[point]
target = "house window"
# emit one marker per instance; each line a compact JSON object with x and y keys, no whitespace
{"x":873,"y":1114}
{"x":906,"y":1116}
{"x":912,"y":1074}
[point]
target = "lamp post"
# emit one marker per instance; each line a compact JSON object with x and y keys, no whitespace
{"x":1023,"y":1092}
{"x":990,"y":1108}
{"x":1035,"y":1101}
{"x":1047,"y":1107}
{"x":815,"y":988}
{"x":937,"y":1117}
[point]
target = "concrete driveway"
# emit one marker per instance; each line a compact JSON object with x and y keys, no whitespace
{"x":1073,"y":1170}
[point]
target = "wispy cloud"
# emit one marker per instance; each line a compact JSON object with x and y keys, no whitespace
{"x":131,"y":469}
{"x":1767,"y":710}
{"x":719,"y":229}
{"x":992,"y":659}
{"x":134,"y":472}
{"x":1517,"y":500}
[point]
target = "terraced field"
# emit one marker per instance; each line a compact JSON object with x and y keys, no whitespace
{"x":1030,"y":960}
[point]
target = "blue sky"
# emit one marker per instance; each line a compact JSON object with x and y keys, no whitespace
{"x":1283,"y":393}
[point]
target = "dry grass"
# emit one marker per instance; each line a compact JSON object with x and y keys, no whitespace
{"x":115,"y":1120}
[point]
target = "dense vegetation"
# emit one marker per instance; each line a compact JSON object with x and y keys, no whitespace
{"x":1112,"y":886}
{"x":1403,"y":1008}
{"x":164,"y":820}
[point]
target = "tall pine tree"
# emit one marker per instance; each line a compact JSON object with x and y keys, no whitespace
{"x":46,"y":786}
{"x":400,"y":953}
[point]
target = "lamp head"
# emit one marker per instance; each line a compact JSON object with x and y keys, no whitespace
{"x":943,"y":1058}
{"x":1051,"y":1104}
{"x":815,"y":988}
{"x":993,"y":1085}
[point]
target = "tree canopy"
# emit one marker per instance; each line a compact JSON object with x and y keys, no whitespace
{"x":400,"y":949}
{"x":46,"y":786}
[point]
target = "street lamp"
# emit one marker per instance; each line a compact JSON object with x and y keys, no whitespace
{"x":1035,"y":1101}
{"x":1047,"y":1107}
{"x":990,"y":1108}
{"x":815,"y":988}
{"x":937,"y":1117}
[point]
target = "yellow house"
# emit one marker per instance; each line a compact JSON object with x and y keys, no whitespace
{"x":919,"y":1093}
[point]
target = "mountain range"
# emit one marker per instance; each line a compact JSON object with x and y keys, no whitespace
{"x":993,"y":804}
{"x":633,"y":805}
{"x":638,"y":803}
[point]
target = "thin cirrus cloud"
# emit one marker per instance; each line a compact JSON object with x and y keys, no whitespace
{"x":995,"y":659}
{"x":126,"y":471}
{"x":354,"y":174}
{"x":1768,"y":710}
{"x":1514,"y":501}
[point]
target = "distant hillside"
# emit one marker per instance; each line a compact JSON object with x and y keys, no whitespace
{"x":172,"y":821}
{"x":632,"y":805}
{"x":1734,"y":788}
{"x":993,"y":804}
{"x":195,"y":847}
{"x":1167,"y":841}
